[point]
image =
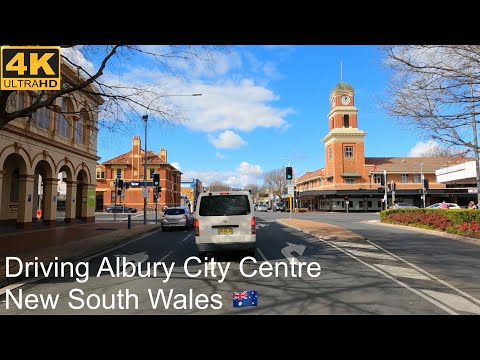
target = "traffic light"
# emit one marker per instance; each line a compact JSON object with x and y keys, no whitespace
{"x":289,"y":173}
{"x":425,"y":184}
{"x":394,"y":186}
{"x":382,"y":180}
{"x":159,"y":189}
{"x":127,"y":185}
{"x":119,"y":192}
{"x":156,"y":179}
{"x":389,"y":186}
{"x":120,"y":183}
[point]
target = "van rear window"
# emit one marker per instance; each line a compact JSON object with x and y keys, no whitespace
{"x":224,"y":205}
{"x":174,"y":212}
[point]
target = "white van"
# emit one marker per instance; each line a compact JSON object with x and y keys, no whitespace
{"x":224,"y":220}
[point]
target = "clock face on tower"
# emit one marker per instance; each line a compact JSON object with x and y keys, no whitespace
{"x":345,"y":99}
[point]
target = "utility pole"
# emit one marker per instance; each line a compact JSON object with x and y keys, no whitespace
{"x":475,"y":143}
{"x":422,"y":179}
{"x":385,"y":198}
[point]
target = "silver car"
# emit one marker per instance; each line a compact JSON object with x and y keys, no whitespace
{"x":403,"y":205}
{"x":262,"y":207}
{"x":177,"y":217}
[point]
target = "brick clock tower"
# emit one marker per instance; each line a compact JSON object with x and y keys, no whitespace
{"x":344,"y":144}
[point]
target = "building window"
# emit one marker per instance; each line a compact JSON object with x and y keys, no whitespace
{"x":152,"y":171}
{"x":330,"y":153}
{"x":349,"y":151}
{"x":119,"y":173}
{"x":417,"y":178}
{"x":404,"y":178}
{"x":379,"y":203}
{"x":113,"y":196}
{"x":360,"y":204}
{"x":100,"y":174}
{"x":377,"y":178}
{"x":346,"y":121}
{"x":369,"y":204}
{"x":79,"y":131}
{"x":41,"y":118}
{"x":349,"y":180}
{"x":62,"y":122}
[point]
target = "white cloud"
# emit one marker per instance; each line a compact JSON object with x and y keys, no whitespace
{"x":219,"y":155}
{"x":75,"y":55}
{"x":423,"y":147}
{"x":227,"y":140}
{"x":176,"y":165}
{"x":243,"y":175}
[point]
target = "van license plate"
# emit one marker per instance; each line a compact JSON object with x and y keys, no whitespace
{"x":225,"y":231}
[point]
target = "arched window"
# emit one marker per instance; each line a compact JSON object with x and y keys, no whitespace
{"x":62,"y":122}
{"x":79,"y":131}
{"x":41,"y":117}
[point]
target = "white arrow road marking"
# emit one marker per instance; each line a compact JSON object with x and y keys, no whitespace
{"x":260,"y":225}
{"x":399,"y":271}
{"x":287,"y":252}
{"x":135,"y":258}
{"x":454,"y":301}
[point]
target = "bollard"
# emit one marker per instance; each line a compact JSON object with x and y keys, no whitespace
{"x":129,"y":222}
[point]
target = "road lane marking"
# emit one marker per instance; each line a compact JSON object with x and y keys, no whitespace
{"x":186,"y":237}
{"x":454,"y":301}
{"x":370,"y":254}
{"x":355,"y":245}
{"x":399,"y":271}
{"x":388,"y":276}
{"x":261,"y":254}
{"x":463,"y":293}
{"x":133,"y":216}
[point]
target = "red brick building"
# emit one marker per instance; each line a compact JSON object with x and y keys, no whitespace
{"x":348,"y":173}
{"x":130,"y":168}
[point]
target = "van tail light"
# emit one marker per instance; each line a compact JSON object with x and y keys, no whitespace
{"x":253,"y":226}
{"x":197,"y":228}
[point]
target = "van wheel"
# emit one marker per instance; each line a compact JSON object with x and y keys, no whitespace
{"x":201,"y":254}
{"x":251,"y":253}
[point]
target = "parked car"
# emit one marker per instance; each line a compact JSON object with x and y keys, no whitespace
{"x":402,"y":205}
{"x":120,"y":209}
{"x":450,"y":206}
{"x":262,"y":207}
{"x":280,"y":206}
{"x":177,"y":217}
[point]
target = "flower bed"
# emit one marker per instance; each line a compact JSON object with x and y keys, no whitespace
{"x":455,"y":221}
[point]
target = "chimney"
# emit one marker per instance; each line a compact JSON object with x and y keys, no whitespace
{"x":136,"y":145}
{"x":163,"y":154}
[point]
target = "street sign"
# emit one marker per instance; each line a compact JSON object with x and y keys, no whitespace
{"x":290,"y":189}
{"x":145,"y":193}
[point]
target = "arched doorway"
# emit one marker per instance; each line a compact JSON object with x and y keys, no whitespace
{"x":66,"y":193}
{"x":81,"y":195}
{"x":16,"y":192}
{"x":45,"y":194}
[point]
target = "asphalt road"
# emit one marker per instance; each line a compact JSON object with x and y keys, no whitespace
{"x":393,"y":271}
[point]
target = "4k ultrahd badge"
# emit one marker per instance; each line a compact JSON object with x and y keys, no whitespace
{"x":30,"y":68}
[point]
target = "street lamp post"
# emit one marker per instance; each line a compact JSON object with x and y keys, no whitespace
{"x":145,"y":118}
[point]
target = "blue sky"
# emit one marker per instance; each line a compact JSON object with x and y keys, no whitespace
{"x":261,"y":107}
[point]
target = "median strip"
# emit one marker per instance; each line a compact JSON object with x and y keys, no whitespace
{"x":321,"y":230}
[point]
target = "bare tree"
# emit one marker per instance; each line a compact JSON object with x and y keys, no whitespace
{"x":434,"y":89}
{"x":219,"y":186}
{"x":125,"y":99}
{"x":255,"y":190}
{"x":442,"y":152}
{"x":275,"y":181}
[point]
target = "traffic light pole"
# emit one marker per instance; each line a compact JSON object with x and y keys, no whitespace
{"x":115,"y":202}
{"x":385,"y":198}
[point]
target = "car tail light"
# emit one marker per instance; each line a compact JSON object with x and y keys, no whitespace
{"x":184,"y":217}
{"x":253,"y":226}
{"x":197,"y":228}
{"x":163,"y":217}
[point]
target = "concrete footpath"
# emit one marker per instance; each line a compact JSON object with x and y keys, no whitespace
{"x":77,"y":242}
{"x":68,"y":243}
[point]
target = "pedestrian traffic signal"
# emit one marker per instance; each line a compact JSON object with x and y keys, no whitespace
{"x":289,"y":173}
{"x":120,"y":183}
{"x":159,"y":189}
{"x":127,"y":185}
{"x":119,"y":192}
{"x":156,"y":179}
{"x":394,"y":186}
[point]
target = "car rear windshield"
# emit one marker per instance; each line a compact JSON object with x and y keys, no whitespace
{"x":224,"y":205}
{"x":174,"y":212}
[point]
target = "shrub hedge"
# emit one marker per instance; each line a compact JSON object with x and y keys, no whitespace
{"x":456,"y":221}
